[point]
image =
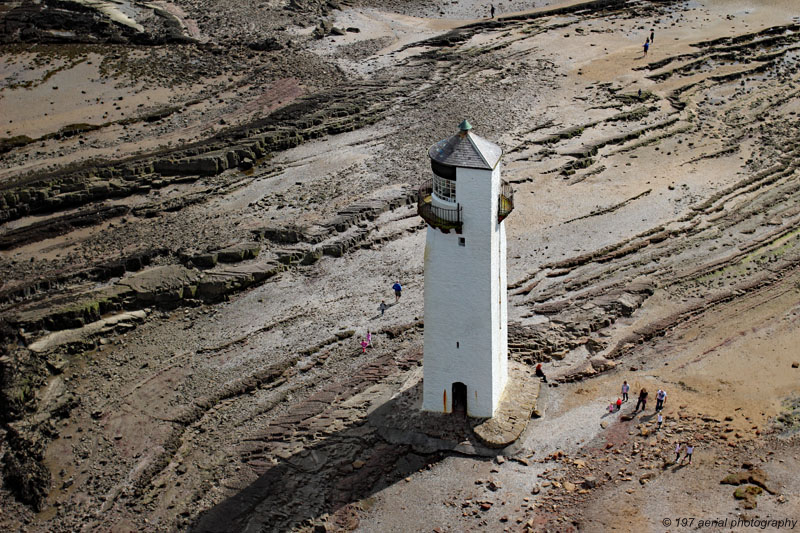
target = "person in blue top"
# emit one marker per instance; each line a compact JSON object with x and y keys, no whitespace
{"x":397,"y":289}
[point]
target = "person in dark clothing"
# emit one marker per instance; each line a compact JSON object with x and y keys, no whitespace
{"x":491,"y":10}
{"x":642,"y":400}
{"x":540,"y":373}
{"x":652,"y":36}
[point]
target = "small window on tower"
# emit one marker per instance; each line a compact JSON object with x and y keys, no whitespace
{"x":462,"y":241}
{"x":444,"y":188}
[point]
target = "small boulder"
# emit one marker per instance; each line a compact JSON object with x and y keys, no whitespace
{"x":756,"y":476}
{"x":645,"y":478}
{"x":205,"y":260}
{"x":748,"y":494}
{"x":270,"y":44}
{"x":601,"y":364}
{"x":239,"y":252}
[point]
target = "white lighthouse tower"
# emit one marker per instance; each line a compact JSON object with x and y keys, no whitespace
{"x":465,"y":361}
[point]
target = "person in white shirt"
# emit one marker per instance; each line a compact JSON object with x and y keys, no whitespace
{"x":661,"y":397}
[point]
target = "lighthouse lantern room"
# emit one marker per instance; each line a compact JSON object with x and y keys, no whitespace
{"x":465,"y":362}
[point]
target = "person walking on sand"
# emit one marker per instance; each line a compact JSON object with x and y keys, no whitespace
{"x":364,"y":345}
{"x":369,"y":339}
{"x":540,"y":373}
{"x":661,"y":397}
{"x":677,"y":452}
{"x":383,"y":307}
{"x":619,"y":404}
{"x":646,"y":47}
{"x":689,"y":452}
{"x":625,"y":389}
{"x":642,"y":400}
{"x":652,"y":36}
{"x":397,"y":290}
{"x":491,"y":10}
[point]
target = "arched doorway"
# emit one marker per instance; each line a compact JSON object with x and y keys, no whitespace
{"x":459,"y":398}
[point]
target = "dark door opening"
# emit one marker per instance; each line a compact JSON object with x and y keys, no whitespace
{"x":459,"y":398}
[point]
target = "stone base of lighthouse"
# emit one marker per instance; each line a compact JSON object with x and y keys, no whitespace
{"x":401,"y":420}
